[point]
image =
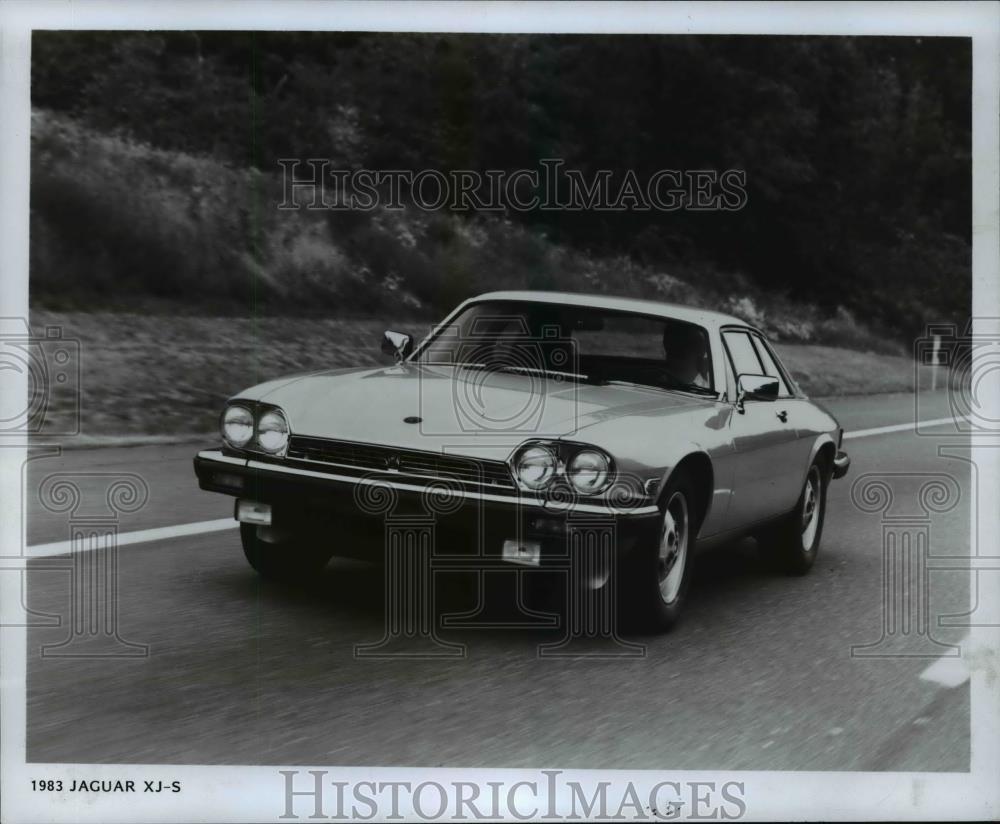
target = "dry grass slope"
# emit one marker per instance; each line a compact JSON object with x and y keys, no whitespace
{"x":167,"y":375}
{"x":119,"y":225}
{"x":184,"y":283}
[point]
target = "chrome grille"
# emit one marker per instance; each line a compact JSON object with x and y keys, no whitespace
{"x":401,"y":461}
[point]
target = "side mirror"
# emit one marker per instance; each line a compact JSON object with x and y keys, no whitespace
{"x":755,"y":388}
{"x":397,"y":344}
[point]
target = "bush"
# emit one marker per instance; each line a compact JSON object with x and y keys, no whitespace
{"x":116,"y":224}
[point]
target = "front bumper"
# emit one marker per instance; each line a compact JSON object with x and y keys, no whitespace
{"x":464,"y":519}
{"x":841,"y":463}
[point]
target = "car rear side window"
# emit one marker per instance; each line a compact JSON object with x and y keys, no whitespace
{"x":771,"y":366}
{"x":742,"y":353}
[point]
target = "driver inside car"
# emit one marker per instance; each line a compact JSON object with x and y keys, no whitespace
{"x":686,"y":353}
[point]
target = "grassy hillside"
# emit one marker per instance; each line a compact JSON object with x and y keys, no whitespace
{"x":184,"y":283}
{"x":169,"y":374}
{"x":856,"y":153}
{"x":117,"y":225}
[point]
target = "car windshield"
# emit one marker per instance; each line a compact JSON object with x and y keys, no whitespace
{"x":580,"y":342}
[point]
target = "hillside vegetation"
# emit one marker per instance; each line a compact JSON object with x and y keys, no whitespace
{"x":120,"y":225}
{"x":169,"y":375}
{"x":156,"y":161}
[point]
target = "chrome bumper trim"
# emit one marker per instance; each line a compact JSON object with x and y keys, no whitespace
{"x":217,"y":456}
{"x":511,"y":500}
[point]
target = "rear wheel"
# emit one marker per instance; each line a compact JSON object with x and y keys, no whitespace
{"x":657,"y":581}
{"x":281,"y":556}
{"x":792,"y":545}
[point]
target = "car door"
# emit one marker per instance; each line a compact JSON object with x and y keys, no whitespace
{"x":764,"y":442}
{"x":793,"y":407}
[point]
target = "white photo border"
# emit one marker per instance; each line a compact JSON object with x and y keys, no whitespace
{"x":241,"y":793}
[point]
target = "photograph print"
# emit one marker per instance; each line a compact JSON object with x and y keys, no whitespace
{"x":507,"y":401}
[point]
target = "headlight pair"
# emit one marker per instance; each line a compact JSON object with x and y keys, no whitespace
{"x":537,"y":466}
{"x":271,"y":429}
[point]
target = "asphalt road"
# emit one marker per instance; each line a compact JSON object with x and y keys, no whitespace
{"x":759,"y":675}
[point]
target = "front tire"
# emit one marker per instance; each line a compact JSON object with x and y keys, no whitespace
{"x":793,"y":544}
{"x":288,"y":558}
{"x":658,"y":578}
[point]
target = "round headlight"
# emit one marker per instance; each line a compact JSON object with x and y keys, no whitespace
{"x":589,"y":471}
{"x":535,"y":467}
{"x":272,"y":431}
{"x":237,"y":426}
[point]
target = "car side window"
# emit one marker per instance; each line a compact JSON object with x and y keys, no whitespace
{"x":742,"y":354}
{"x":770,"y":365}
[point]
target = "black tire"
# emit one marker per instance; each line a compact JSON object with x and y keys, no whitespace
{"x":289,"y":560}
{"x":791,"y":545}
{"x":653,"y":590}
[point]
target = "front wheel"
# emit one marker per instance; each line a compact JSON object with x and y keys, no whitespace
{"x":281,"y":557}
{"x":658,"y":577}
{"x":792,"y":545}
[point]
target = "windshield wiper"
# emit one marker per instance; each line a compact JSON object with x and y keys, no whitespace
{"x":678,"y":385}
{"x":696,"y":388}
{"x":594,"y":379}
{"x":506,"y":367}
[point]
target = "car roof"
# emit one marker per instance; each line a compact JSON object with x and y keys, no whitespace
{"x":691,"y":314}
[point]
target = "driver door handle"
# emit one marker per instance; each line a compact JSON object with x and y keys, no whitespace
{"x":783,"y":416}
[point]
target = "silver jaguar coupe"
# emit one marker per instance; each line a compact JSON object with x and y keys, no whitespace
{"x":526,"y":419}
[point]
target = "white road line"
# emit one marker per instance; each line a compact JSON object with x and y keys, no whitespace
{"x":143,"y":536}
{"x":950,"y":670}
{"x":900,"y":427}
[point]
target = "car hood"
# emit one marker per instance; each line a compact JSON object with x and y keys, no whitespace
{"x":456,"y":410}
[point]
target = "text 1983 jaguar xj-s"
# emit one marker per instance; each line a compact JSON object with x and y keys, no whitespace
{"x":525,"y":417}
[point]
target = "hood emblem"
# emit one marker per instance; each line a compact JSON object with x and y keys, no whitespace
{"x":392,"y":462}
{"x":413,"y":419}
